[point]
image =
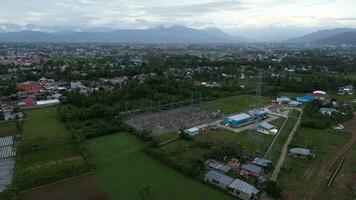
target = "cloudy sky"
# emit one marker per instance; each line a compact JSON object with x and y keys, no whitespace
{"x":229,"y":15}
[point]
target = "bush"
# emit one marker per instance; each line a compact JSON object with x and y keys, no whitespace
{"x":273,"y":190}
{"x":49,"y":173}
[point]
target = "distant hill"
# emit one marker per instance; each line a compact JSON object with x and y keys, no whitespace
{"x":342,"y":38}
{"x":174,"y":34}
{"x":332,"y":36}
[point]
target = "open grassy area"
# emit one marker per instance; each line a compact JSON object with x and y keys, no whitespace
{"x":234,"y":104}
{"x":297,"y":175}
{"x":7,"y":128}
{"x":44,"y":124}
{"x":123,"y":170}
{"x":278,"y":122}
{"x":253,"y":144}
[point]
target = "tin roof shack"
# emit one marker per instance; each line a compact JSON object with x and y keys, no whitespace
{"x":217,"y":166}
{"x":234,"y":163}
{"x":192,"y":131}
{"x":328,"y":111}
{"x":218,"y":179}
{"x":283,"y":99}
{"x":267,"y":128}
{"x":251,"y":170}
{"x":301,"y":153}
{"x":242,"y":190}
{"x":262,"y":162}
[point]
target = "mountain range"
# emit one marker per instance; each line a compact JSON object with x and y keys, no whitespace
{"x":174,"y":34}
{"x":332,"y":36}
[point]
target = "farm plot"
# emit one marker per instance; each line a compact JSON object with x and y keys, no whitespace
{"x":79,"y":188}
{"x":171,"y":120}
{"x":44,"y":127}
{"x":125,"y":172}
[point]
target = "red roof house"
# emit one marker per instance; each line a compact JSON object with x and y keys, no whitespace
{"x":30,"y":88}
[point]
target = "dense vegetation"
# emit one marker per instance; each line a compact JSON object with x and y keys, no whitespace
{"x":313,"y":118}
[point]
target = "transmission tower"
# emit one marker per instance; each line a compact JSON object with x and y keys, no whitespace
{"x":253,"y":133}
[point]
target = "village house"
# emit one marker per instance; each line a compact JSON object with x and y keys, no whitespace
{"x":242,"y":190}
{"x":217,"y":166}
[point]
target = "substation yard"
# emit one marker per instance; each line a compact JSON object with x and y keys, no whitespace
{"x":171,"y":120}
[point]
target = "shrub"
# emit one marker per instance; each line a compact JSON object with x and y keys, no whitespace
{"x":49,"y":173}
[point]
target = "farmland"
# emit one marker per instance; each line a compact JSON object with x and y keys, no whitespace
{"x":44,"y":125}
{"x":45,"y":146}
{"x":124,"y":171}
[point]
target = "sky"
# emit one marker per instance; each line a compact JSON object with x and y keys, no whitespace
{"x":231,"y":16}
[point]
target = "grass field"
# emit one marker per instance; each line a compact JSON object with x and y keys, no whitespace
{"x":123,"y":170}
{"x":256,"y":145}
{"x":297,"y":175}
{"x":7,"y":128}
{"x":234,"y":104}
{"x":44,"y":123}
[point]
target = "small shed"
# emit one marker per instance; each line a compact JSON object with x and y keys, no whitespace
{"x":267,"y":128}
{"x":301,"y":152}
{"x":218,"y":179}
{"x":327,"y":111}
{"x":242,"y":190}
{"x":192,"y":131}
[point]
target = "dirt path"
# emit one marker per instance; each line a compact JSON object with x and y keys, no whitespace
{"x":325,"y":171}
{"x":285,"y":149}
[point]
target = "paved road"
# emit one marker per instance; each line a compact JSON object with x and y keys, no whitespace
{"x":285,"y":149}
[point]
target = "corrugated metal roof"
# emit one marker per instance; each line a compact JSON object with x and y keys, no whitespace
{"x":6,"y":168}
{"x":252,"y":168}
{"x":239,"y":117}
{"x":242,"y":186}
{"x":222,"y":178}
{"x":6,"y":141}
{"x":266,"y":125}
{"x":300,"y":151}
{"x":262,"y":162}
{"x":193,"y":129}
{"x":7,"y":151}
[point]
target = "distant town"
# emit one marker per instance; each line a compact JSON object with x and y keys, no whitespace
{"x":195,"y":121}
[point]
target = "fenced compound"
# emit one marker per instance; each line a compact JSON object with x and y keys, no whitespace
{"x":171,"y":120}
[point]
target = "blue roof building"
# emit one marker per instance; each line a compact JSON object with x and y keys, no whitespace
{"x":305,"y":99}
{"x":238,"y":120}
